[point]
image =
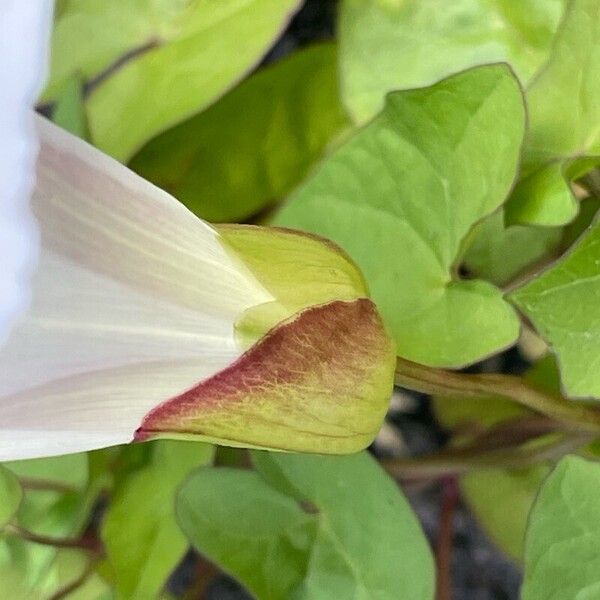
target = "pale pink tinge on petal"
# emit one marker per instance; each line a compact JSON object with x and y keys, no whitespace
{"x":24,"y":48}
{"x":134,"y":302}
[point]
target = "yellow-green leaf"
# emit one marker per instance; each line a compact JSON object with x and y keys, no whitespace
{"x":254,"y":145}
{"x":388,"y":45}
{"x":153,"y":64}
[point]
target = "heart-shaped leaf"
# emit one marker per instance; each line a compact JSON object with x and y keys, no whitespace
{"x":330,"y":527}
{"x":401,"y":196}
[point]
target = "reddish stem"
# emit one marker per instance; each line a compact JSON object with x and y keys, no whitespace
{"x":445,"y":538}
{"x":82,"y":543}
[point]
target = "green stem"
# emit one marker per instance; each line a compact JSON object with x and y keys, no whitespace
{"x":36,"y":484}
{"x":456,"y":462}
{"x":573,"y":415}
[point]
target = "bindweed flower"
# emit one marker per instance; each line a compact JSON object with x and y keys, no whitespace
{"x":147,"y":322}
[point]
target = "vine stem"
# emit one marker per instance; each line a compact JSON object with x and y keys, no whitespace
{"x":36,"y":484}
{"x":575,"y":416}
{"x":89,"y":545}
{"x":68,"y":589}
{"x":463,"y":460}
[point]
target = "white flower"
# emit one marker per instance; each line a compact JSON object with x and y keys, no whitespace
{"x":147,"y":322}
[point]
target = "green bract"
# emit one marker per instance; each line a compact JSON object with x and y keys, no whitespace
{"x":324,"y":525}
{"x":318,"y":370}
{"x":391,"y":44}
{"x":401,"y":196}
{"x":155,"y":64}
{"x":561,"y":553}
{"x":254,"y":145}
{"x":272,"y":255}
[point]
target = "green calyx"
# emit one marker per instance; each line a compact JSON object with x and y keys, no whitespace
{"x":300,"y":270}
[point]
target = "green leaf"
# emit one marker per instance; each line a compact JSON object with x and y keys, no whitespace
{"x":290,"y":111}
{"x":11,"y":495}
{"x":476,"y":412}
{"x":562,"y":305}
{"x":142,"y":540}
{"x":91,"y":36}
{"x":388,"y":45}
{"x":69,"y":111}
{"x":563,"y":536}
{"x":487,"y":411}
{"x":57,"y":504}
{"x":13,"y":585}
{"x":154,"y":64}
{"x":404,"y":192}
{"x":490,"y":492}
{"x":70,"y":470}
{"x":66,"y":568}
{"x":73,"y":564}
{"x":564,"y":113}
{"x":498,"y":253}
{"x":327,"y":526}
{"x":542,"y":198}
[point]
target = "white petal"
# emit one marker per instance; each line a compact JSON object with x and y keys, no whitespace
{"x":24,"y":41}
{"x":134,"y":302}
